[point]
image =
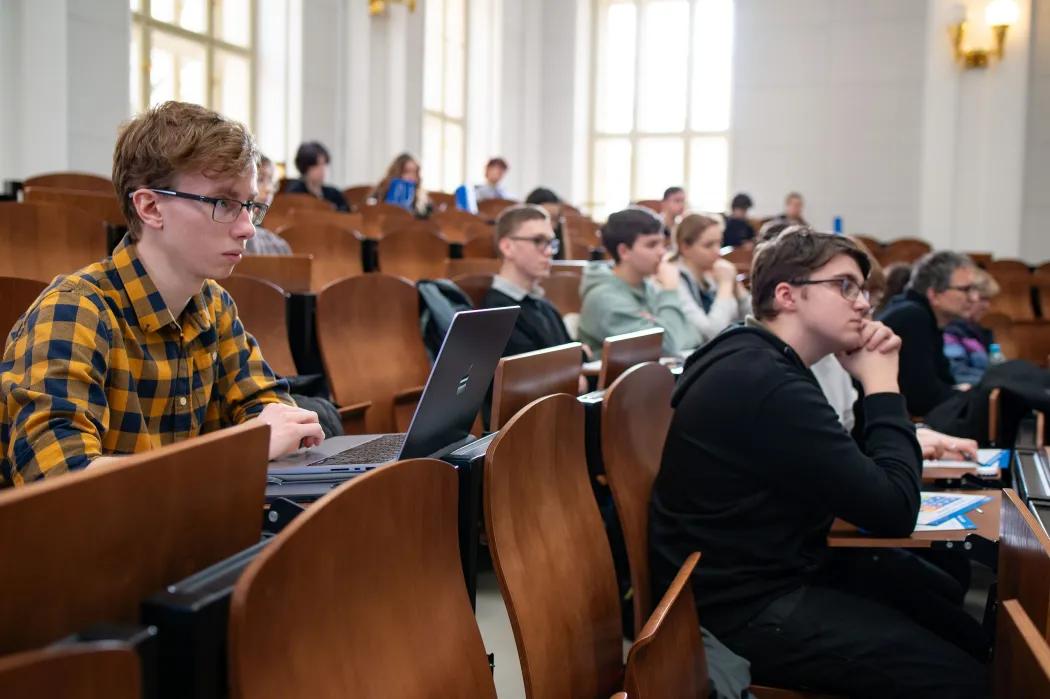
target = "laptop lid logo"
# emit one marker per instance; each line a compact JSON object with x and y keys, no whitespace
{"x":462,"y":386}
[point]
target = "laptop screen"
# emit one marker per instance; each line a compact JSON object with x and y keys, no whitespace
{"x":459,"y":380}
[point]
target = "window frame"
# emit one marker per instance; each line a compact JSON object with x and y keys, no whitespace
{"x":142,"y":20}
{"x":686,"y":136}
{"x":441,"y":115}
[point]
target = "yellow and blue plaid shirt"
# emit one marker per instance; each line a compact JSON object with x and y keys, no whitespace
{"x":99,"y":365}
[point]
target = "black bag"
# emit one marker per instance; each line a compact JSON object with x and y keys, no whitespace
{"x":439,"y":301}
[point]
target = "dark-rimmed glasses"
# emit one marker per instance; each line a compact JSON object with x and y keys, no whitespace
{"x":849,"y":288}
{"x":223,"y":210}
{"x":542,"y":242}
{"x":968,"y":289}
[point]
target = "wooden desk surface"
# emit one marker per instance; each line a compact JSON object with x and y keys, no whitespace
{"x":844,"y":534}
{"x":930,"y":475}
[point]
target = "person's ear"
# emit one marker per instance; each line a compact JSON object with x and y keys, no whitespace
{"x":622,"y":249}
{"x":504,"y":246}
{"x":784,"y":297}
{"x":146,"y":207}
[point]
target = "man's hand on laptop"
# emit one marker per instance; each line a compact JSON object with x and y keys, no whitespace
{"x":290,"y":428}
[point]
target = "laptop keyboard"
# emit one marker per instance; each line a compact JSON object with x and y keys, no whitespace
{"x":376,"y":451}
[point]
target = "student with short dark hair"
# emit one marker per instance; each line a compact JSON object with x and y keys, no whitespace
{"x":145,"y":348}
{"x":495,"y":169}
{"x":553,"y":205}
{"x":526,"y":245}
{"x":755,"y":469}
{"x":640,"y":291}
{"x":738,"y":229}
{"x":792,"y":214}
{"x":672,"y":207}
{"x":312,"y":161}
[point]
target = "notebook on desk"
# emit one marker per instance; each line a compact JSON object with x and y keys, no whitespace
{"x":441,"y":423}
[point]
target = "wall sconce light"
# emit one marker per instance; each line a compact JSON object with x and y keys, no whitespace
{"x":999,"y":15}
{"x":378,"y":7}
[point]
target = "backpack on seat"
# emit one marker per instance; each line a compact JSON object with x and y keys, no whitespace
{"x":439,"y":301}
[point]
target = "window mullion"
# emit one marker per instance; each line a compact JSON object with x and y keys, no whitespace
{"x":642,"y":16}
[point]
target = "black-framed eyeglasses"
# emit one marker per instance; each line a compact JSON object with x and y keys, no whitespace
{"x":968,"y":289}
{"x":223,"y":210}
{"x":542,"y":242}
{"x":849,"y":288}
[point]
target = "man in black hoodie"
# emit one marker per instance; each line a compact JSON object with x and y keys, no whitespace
{"x":756,"y":467}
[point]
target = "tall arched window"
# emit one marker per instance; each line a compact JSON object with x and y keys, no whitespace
{"x":662,"y":72}
{"x":444,"y":93}
{"x":197,"y":51}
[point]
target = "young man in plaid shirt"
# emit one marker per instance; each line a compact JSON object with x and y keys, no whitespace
{"x":144,"y":348}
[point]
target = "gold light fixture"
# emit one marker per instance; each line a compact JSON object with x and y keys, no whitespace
{"x":999,"y":15}
{"x":378,"y":7}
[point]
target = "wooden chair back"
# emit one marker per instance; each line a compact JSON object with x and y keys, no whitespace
{"x":442,"y":201}
{"x":490,"y":209}
{"x":1041,"y":282}
{"x":1015,"y":290}
{"x":636,"y":415}
{"x":456,"y":226}
{"x":901,"y":250}
{"x":481,"y":242}
{"x":83,"y":671}
{"x":1024,"y":560}
{"x":563,"y":290}
{"x":41,"y":241}
{"x":414,"y":251}
{"x":262,"y":307}
{"x":380,"y":614}
{"x":654,"y":205}
{"x":741,"y":257}
{"x":522,"y":378}
{"x":994,"y":267}
{"x":290,"y":272}
{"x":1022,"y":656}
{"x":621,"y":352}
{"x":285,"y":202}
{"x":125,"y":530}
{"x":91,"y":204}
{"x":83,"y":181}
{"x":356,"y":196}
{"x":471,"y":265}
{"x":581,"y":237}
{"x":475,"y":286}
{"x":380,"y":219}
{"x":667,"y":658}
{"x":551,"y":554}
{"x":16,"y":295}
{"x":351,"y":223}
{"x":385,"y":311}
{"x":336,"y":252}
{"x":576,"y":267}
{"x":872,"y":244}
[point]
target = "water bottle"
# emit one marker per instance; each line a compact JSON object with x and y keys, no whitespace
{"x":837,"y":225}
{"x":995,"y":354}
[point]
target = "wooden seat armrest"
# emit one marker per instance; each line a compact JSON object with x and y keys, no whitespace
{"x":993,"y":415}
{"x":408,"y":395}
{"x":353,"y":417}
{"x":619,"y":695}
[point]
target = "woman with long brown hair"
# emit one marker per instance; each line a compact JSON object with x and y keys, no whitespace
{"x":405,"y":167}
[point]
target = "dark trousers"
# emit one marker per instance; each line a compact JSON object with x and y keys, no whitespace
{"x":879,"y":624}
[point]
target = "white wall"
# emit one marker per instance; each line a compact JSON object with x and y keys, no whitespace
{"x":1035,"y":221}
{"x":66,"y":66}
{"x":827,"y":100}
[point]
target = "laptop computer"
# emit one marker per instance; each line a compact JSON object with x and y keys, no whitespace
{"x":441,"y":423}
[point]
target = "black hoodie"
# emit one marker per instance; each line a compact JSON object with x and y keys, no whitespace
{"x":756,"y":467}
